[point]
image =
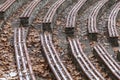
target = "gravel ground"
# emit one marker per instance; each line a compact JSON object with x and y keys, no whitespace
{"x":40,"y":66}
{"x":7,"y":61}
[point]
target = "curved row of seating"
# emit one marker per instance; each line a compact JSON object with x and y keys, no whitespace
{"x":49,"y":50}
{"x":112,"y":29}
{"x":71,"y":19}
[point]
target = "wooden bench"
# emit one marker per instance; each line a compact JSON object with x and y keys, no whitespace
{"x":92,"y":20}
{"x":107,"y":59}
{"x":112,"y":29}
{"x":83,"y":62}
{"x":24,"y":18}
{"x":53,"y":59}
{"x":31,"y":11}
{"x":7,"y":8}
{"x":49,"y":19}
{"x":71,"y":19}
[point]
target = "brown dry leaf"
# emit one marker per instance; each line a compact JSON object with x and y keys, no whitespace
{"x":42,"y":61}
{"x":58,"y":22}
{"x":115,"y":49}
{"x":4,"y":39}
{"x":118,"y":23}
